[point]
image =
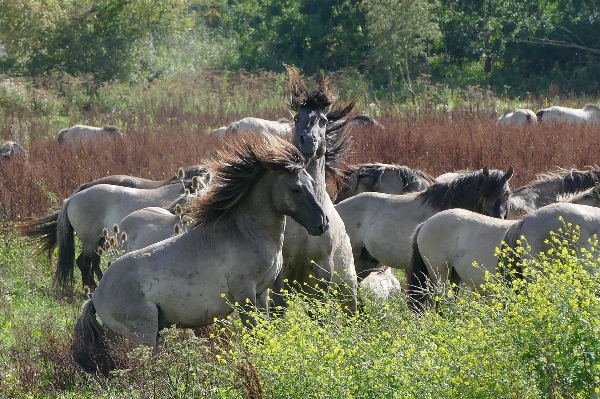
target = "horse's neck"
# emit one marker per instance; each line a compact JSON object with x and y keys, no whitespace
{"x":548,"y":191}
{"x":316,"y":169}
{"x":255,"y":218}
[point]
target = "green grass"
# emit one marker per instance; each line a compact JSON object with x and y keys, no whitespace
{"x":536,"y":341}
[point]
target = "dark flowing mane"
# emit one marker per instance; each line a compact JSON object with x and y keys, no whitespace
{"x":375,"y":171}
{"x":572,"y":180}
{"x":338,"y":141}
{"x":237,"y":167}
{"x":465,"y":191}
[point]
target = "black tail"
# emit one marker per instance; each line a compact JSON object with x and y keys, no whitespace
{"x":63,"y":277}
{"x":539,"y":114}
{"x":88,"y":348}
{"x":43,"y":232}
{"x":511,"y":266}
{"x":417,"y":277}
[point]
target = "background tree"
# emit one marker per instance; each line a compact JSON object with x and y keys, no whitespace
{"x":104,"y":37}
{"x":311,"y":34}
{"x":399,"y":31}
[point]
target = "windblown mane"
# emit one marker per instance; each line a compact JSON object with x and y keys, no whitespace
{"x":111,"y":128}
{"x":236,"y":169}
{"x":410,"y":177}
{"x":592,"y":108}
{"x":338,"y":141}
{"x":460,"y":191}
{"x":572,"y":180}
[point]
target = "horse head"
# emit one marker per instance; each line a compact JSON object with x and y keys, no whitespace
{"x":495,"y":196}
{"x":310,"y":120}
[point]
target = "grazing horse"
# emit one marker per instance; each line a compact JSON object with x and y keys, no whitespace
{"x":232,"y":252}
{"x":10,"y":149}
{"x":365,"y":121}
{"x":280,"y":127}
{"x":380,"y":225}
{"x":320,"y":135}
{"x":548,"y":187}
{"x":519,"y":117}
{"x":589,"y":114}
{"x":382,"y":178}
{"x":80,"y":134}
{"x":87,"y":213}
{"x":187,"y":176}
{"x":446,"y":245}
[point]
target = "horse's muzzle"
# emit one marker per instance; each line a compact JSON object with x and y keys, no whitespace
{"x":325,"y":226}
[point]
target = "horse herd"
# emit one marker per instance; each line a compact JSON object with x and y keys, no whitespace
{"x":261,"y":221}
{"x":588,"y":114}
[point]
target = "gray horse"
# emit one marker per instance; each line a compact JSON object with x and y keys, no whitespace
{"x":380,"y":225}
{"x":186,"y":176}
{"x":10,"y":149}
{"x":320,"y":135}
{"x":547,"y":188}
{"x":382,"y":178}
{"x":81,"y":134}
{"x":232,"y":253}
{"x":87,"y":213}
{"x":446,"y":245}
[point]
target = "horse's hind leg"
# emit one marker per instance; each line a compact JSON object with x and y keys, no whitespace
{"x":84,"y":263}
{"x":96,"y":266}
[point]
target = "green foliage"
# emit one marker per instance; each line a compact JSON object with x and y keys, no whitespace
{"x":105,"y":38}
{"x":533,"y":338}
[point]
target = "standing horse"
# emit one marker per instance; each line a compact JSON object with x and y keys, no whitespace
{"x":446,"y":245}
{"x":588,"y":114}
{"x":87,"y":213}
{"x":522,"y":116}
{"x":320,"y":135}
{"x":80,"y":134}
{"x":548,"y":187}
{"x":382,"y":178}
{"x":232,"y":252}
{"x":380,"y":226}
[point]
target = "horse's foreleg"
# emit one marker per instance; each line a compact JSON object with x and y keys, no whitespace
{"x":246,"y":299}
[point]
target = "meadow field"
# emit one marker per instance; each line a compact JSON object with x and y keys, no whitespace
{"x":539,"y":342}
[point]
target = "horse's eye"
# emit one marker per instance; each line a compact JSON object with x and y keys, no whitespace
{"x":296,"y":118}
{"x":322,"y":122}
{"x":296,"y":190}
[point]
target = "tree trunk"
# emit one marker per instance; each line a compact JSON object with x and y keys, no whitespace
{"x":390,"y":85}
{"x":407,"y":82}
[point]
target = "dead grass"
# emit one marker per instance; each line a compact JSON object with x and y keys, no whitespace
{"x":435,"y":142}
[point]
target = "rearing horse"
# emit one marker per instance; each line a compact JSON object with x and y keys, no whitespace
{"x":320,"y":135}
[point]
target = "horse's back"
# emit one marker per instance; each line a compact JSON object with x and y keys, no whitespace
{"x":382,"y":224}
{"x":519,"y":117}
{"x":563,"y":114}
{"x":147,"y":226}
{"x":79,"y":134}
{"x":537,"y":225}
{"x":456,"y":238}
{"x":105,"y":205}
{"x":252,"y":124}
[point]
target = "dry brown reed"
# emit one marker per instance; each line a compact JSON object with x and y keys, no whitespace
{"x":433,"y":141}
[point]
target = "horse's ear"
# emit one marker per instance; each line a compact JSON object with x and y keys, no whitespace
{"x":486,"y":172}
{"x":509,"y":172}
